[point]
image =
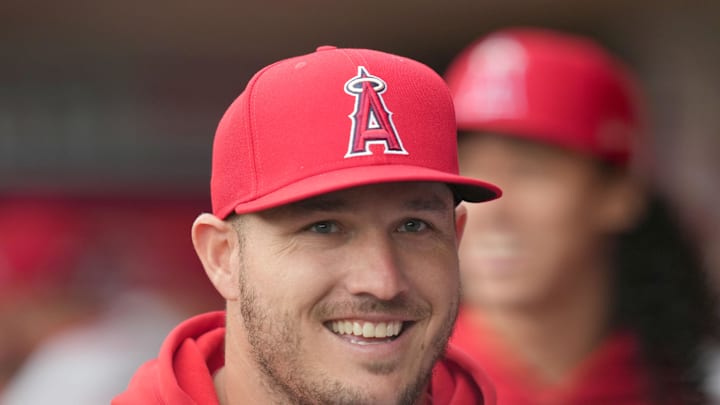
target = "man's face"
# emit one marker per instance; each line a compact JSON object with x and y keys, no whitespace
{"x":348,"y":297}
{"x":543,"y":236}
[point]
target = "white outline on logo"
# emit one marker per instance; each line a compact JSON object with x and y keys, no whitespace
{"x":353,"y":87}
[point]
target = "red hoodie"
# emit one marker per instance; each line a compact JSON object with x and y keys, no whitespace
{"x":612,"y":374}
{"x":182,"y":373}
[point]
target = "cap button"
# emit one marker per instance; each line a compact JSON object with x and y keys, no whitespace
{"x":325,"y":48}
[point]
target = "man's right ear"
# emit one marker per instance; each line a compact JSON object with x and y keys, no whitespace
{"x":216,"y":244}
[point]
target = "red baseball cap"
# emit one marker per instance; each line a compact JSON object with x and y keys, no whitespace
{"x":547,"y":86}
{"x":334,"y":119}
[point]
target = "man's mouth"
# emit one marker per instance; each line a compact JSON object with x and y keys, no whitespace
{"x":364,"y":332}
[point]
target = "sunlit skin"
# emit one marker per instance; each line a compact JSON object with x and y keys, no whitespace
{"x":377,"y":254}
{"x":536,"y":261}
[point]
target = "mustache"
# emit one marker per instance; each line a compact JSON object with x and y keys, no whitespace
{"x":400,"y":306}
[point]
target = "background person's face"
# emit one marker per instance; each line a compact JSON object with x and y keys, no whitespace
{"x":381,"y":258}
{"x":546,"y":231}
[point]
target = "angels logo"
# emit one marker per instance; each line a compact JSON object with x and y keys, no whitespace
{"x":371,"y":120}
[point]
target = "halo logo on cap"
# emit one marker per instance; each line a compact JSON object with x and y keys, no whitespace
{"x":371,"y":120}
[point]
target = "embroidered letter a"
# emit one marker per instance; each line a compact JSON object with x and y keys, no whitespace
{"x":371,"y":120}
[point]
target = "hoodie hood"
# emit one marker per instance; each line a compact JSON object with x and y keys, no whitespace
{"x":193,"y":351}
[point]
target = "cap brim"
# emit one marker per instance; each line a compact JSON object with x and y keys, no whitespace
{"x":465,"y":188}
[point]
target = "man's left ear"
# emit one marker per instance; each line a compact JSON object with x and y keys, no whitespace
{"x":461,"y":214}
{"x":216,"y":244}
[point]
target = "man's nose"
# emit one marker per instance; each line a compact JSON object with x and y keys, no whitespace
{"x":376,"y":267}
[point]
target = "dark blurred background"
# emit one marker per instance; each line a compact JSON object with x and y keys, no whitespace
{"x":108,"y":109}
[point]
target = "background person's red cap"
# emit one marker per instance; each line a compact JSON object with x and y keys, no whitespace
{"x":334,"y":119}
{"x":547,"y":86}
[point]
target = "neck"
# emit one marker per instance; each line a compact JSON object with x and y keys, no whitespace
{"x":555,"y":336}
{"x":240,"y":380}
{"x":219,"y":383}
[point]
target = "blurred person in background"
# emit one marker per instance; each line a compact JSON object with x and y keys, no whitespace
{"x":83,"y":301}
{"x":579,"y":285}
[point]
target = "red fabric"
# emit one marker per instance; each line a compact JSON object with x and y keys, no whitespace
{"x":548,"y":86}
{"x":613,"y":374}
{"x":288,"y":136}
{"x":182,"y":374}
{"x":458,"y":380}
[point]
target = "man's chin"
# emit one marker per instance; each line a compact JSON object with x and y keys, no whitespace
{"x":384,"y":389}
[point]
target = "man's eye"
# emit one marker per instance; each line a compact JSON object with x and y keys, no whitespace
{"x":324,"y":227}
{"x":413,"y":225}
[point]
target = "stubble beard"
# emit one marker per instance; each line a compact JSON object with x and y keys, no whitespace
{"x":277,"y":350}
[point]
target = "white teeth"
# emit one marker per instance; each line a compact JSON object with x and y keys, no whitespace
{"x":367,"y":329}
{"x":380,"y":330}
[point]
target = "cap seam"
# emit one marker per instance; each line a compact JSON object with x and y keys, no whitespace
{"x":351,"y":58}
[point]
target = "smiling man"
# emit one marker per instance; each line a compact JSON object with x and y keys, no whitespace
{"x":333,"y":239}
